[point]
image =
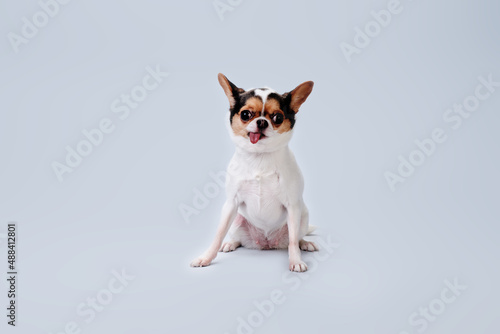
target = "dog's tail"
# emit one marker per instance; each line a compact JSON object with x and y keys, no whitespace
{"x":311,"y":229}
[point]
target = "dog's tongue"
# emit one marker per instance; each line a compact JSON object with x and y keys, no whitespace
{"x":254,"y":137}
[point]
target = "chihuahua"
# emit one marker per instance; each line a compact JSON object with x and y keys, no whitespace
{"x":264,"y":206}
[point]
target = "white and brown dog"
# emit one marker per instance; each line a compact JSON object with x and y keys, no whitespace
{"x":264,"y":184}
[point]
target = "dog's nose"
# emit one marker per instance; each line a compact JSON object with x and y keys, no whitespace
{"x":262,"y":124}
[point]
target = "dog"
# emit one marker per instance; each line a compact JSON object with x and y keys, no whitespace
{"x":264,"y":185}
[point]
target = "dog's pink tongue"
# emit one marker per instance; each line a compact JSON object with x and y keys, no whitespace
{"x":254,"y":137}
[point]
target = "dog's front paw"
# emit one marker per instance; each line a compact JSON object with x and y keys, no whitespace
{"x":298,"y":266}
{"x":201,"y":262}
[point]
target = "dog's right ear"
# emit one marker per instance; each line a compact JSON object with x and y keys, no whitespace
{"x":230,"y":89}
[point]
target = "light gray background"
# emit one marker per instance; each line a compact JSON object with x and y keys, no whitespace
{"x":120,"y":207}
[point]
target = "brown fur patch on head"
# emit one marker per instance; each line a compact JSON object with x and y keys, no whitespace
{"x":272,"y":108}
{"x":254,"y":105}
{"x":239,"y":127}
{"x":285,"y":126}
{"x":272,"y":105}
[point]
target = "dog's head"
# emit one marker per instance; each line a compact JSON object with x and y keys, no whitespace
{"x":261,"y":120}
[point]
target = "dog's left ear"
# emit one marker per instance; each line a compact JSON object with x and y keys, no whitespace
{"x":230,"y":89}
{"x":296,"y":97}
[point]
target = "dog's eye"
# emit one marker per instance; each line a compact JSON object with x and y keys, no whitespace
{"x":278,"y":119}
{"x":246,"y":115}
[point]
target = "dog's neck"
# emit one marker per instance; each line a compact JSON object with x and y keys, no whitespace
{"x":261,"y":161}
{"x":244,"y":154}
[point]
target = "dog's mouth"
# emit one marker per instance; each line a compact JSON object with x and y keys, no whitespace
{"x":255,"y":137}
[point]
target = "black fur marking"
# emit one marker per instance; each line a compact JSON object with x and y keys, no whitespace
{"x":283,"y":100}
{"x":241,"y":99}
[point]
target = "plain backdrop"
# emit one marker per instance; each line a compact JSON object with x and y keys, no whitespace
{"x":120,"y":208}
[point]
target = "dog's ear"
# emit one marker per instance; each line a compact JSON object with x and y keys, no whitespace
{"x":296,"y":97}
{"x":230,"y":89}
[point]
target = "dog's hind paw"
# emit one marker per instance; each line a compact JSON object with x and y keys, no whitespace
{"x":229,"y":246}
{"x":308,"y":246}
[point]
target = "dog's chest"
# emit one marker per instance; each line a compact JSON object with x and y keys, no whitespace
{"x":260,"y":197}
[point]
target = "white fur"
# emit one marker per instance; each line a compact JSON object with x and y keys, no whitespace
{"x":263,"y":94}
{"x":273,"y":141}
{"x":264,"y":185}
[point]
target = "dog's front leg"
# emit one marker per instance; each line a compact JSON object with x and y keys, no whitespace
{"x":229,"y":211}
{"x":294,"y":216}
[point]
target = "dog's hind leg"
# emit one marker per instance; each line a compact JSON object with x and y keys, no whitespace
{"x":306,"y":229}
